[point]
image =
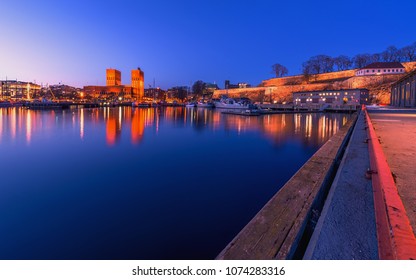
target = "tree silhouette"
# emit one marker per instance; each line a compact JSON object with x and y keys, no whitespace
{"x":198,"y":88}
{"x":279,"y":70}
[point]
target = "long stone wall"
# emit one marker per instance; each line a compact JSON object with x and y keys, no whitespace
{"x":281,"y":89}
{"x":300,"y":79}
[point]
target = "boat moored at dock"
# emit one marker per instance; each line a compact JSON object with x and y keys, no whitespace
{"x":231,"y":103}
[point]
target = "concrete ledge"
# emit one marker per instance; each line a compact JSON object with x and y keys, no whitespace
{"x":394,"y":232}
{"x":276,"y":232}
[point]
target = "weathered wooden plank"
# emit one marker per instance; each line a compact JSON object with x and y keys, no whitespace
{"x":276,"y":229}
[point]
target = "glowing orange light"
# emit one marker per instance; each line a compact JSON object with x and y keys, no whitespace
{"x":137,"y":126}
{"x":111,"y":130}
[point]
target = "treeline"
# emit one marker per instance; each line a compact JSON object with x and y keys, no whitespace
{"x":324,"y":63}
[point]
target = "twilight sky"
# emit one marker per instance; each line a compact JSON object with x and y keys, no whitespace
{"x":180,"y":41}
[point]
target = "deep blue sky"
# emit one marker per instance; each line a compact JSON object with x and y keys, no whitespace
{"x":179,"y":42}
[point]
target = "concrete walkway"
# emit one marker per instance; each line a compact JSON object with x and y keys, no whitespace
{"x":347,"y":227}
{"x":396,"y":130}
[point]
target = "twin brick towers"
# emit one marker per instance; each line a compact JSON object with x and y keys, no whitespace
{"x":114,"y":86}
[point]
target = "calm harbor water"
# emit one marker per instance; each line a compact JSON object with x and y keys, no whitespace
{"x":124,"y":183}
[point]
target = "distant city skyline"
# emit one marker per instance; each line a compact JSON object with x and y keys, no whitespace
{"x":177,"y":43}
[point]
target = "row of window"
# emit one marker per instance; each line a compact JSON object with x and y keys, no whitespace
{"x":379,"y":71}
{"x":325,"y":94}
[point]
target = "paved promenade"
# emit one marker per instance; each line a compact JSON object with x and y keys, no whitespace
{"x":347,"y":227}
{"x":397,"y":134}
{"x":363,"y":218}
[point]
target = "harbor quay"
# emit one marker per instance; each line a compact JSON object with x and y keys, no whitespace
{"x":396,"y":130}
{"x":354,"y":199}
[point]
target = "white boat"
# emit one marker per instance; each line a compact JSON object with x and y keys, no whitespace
{"x":190,"y":104}
{"x":140,"y":104}
{"x":231,"y":103}
{"x":205,"y":104}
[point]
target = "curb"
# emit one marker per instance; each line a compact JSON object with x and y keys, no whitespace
{"x":396,"y":240}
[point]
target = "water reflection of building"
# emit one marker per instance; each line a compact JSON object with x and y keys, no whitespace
{"x":308,"y":128}
{"x":137,"y":126}
{"x":113,"y":128}
{"x":311,"y":128}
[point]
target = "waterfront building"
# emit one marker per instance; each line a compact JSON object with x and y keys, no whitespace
{"x":228,"y":85}
{"x":18,"y":89}
{"x":114,"y":88}
{"x":178,"y":92}
{"x":137,"y":83}
{"x":62,"y":91}
{"x":113,"y":77}
{"x":381,"y":68}
{"x":335,"y":99}
{"x":403,"y":92}
{"x":154,"y":93}
{"x":210,"y":88}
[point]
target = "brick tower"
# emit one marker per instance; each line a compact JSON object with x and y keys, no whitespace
{"x":113,"y":77}
{"x":137,"y":83}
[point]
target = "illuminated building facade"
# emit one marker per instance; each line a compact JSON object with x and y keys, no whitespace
{"x":137,"y":83}
{"x":343,"y":98}
{"x":403,"y":92}
{"x":381,"y":68}
{"x":18,"y":89}
{"x":114,"y":88}
{"x":113,"y":77}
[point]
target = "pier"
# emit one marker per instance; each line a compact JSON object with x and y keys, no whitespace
{"x":344,"y":202}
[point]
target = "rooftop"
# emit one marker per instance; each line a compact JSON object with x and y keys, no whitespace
{"x":332,"y":90}
{"x":383,"y":65}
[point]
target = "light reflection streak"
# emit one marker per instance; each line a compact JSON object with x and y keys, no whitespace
{"x":1,"y":124}
{"x":81,"y":124}
{"x":28,"y":127}
{"x":313,"y":128}
{"x":13,"y":123}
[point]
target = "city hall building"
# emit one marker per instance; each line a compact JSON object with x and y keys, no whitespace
{"x":334,"y":99}
{"x":114,"y":87}
{"x":403,"y":92}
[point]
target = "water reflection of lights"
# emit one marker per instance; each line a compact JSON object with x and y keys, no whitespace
{"x":1,"y":124}
{"x":308,"y":125}
{"x":137,"y":126}
{"x":20,"y":123}
{"x":111,"y":131}
{"x":13,"y":123}
{"x":81,"y":124}
{"x":28,"y":127}
{"x":297,"y":123}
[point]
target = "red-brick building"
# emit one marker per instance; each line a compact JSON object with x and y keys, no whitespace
{"x":114,"y":88}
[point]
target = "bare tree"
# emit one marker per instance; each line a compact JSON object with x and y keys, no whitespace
{"x":327,"y":63}
{"x":376,"y":57}
{"x":342,"y":62}
{"x":198,"y":88}
{"x":307,"y":70}
{"x":408,"y":53}
{"x":279,"y":70}
{"x":361,"y":60}
{"x":391,"y":54}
